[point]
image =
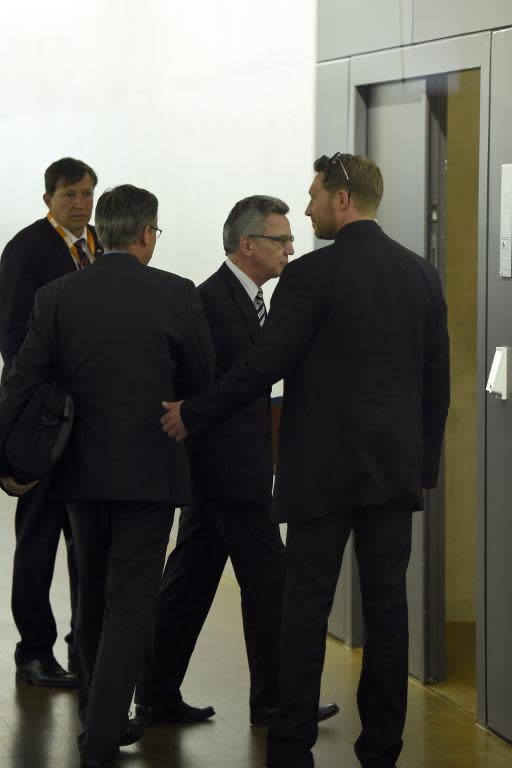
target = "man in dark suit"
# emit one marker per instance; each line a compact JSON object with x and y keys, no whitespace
{"x":59,"y":244}
{"x":233,"y":472}
{"x":358,"y":331}
{"x":119,"y":476}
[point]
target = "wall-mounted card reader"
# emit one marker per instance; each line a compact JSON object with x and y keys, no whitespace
{"x":500,"y":379}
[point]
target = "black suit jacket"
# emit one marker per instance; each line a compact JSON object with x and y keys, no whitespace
{"x":358,"y":331}
{"x":123,"y":337}
{"x":34,"y":257}
{"x":234,"y":461}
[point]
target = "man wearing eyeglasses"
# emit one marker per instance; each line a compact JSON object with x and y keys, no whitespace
{"x":233,"y":466}
{"x":358,"y":331}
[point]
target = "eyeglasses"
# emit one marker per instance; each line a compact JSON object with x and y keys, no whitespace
{"x":336,"y":158}
{"x":157,"y":230}
{"x":283,"y":239}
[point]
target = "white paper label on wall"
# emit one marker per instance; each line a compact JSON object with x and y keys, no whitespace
{"x":506,"y":221}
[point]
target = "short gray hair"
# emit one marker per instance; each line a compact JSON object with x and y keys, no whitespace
{"x":122,"y":213}
{"x":248,"y":216}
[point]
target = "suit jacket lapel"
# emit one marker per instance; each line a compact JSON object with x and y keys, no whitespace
{"x":242,"y":300}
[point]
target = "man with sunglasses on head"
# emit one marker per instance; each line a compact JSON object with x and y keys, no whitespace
{"x":61,"y":243}
{"x":358,"y":331}
{"x":233,"y":473}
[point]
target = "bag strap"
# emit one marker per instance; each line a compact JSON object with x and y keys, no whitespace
{"x":55,"y":408}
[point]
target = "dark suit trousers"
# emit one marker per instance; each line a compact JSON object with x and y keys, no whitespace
{"x":382,"y":538}
{"x":39,"y":524}
{"x":120,"y":554}
{"x":209,"y":533}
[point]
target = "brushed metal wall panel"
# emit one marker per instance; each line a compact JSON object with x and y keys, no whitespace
{"x":433,"y":19}
{"x":346,"y":28}
{"x":332,"y":104}
{"x":499,"y":414}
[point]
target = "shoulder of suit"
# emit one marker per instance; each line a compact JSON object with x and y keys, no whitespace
{"x":41,"y":231}
{"x":39,"y":237}
{"x":312,"y":260}
{"x":428,"y":269}
{"x":423,"y":264}
{"x":170,"y":278}
{"x":416,"y":265}
{"x":223,"y":292}
{"x":215,"y":282}
{"x":37,"y":231}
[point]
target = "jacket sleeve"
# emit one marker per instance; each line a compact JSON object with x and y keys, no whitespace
{"x":294,"y":315}
{"x":33,"y":364}
{"x":18,"y":285}
{"x":195,"y":354}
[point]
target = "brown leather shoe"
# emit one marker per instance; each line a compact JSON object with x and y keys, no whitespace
{"x":45,"y":672}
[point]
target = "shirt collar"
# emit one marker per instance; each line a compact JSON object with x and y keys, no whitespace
{"x":74,"y":238}
{"x":251,"y":287}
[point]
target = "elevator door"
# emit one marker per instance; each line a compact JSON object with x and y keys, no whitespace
{"x":397,"y":139}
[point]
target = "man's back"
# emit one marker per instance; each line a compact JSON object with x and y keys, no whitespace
{"x":358,"y":331}
{"x":354,"y":401}
{"x":127,"y":337}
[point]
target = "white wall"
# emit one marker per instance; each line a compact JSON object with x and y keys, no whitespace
{"x":201,"y":102}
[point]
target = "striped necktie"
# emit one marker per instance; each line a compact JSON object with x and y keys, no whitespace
{"x":260,"y":306}
{"x":82,"y":256}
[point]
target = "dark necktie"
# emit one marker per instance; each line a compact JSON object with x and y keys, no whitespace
{"x":260,"y":306}
{"x":82,"y":256}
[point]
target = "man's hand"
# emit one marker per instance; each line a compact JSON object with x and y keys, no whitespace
{"x":171,"y":421}
{"x":13,"y":488}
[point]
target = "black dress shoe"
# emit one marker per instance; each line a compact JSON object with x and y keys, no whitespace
{"x":104,"y":762}
{"x":45,"y":672}
{"x":325,"y":711}
{"x":264,"y":716}
{"x":178,"y":714}
{"x":133,"y":731}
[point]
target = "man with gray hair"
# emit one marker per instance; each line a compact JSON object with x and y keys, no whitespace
{"x":120,"y":477}
{"x":233,"y":471}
